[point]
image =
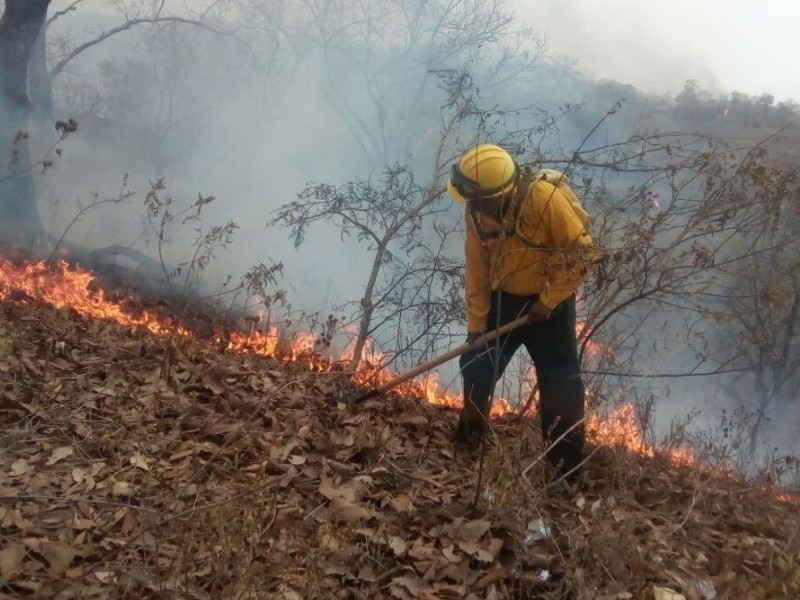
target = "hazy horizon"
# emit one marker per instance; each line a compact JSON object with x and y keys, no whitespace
{"x":655,"y":46}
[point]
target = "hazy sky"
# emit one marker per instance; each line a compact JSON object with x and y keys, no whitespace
{"x":727,"y":45}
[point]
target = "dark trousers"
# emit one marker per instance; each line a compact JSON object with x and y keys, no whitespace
{"x":553,"y":347}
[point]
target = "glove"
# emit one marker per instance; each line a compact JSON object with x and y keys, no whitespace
{"x":538,"y":313}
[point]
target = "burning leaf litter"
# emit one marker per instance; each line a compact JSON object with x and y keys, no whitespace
{"x":64,"y":286}
{"x":237,"y":477}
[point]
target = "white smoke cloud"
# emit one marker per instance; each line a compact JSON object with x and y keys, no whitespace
{"x":657,"y":45}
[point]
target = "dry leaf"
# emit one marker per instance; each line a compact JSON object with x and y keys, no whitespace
{"x":189,"y":491}
{"x":351,"y":513}
{"x":398,"y":545}
{"x":471,"y":531}
{"x":448,"y":590}
{"x":494,"y":548}
{"x":485,"y":554}
{"x":214,"y":385}
{"x":450,"y":555}
{"x":179,"y":455}
{"x":349,"y":493}
{"x":662,"y":593}
{"x":595,"y":507}
{"x":58,"y":554}
{"x":15,"y":518}
{"x":122,"y":489}
{"x":81,"y":429}
{"x":128,"y":522}
{"x":59,"y":454}
{"x":415,"y":585}
{"x":419,"y":420}
{"x":706,"y":589}
{"x":19,"y":467}
{"x":290,"y":594}
{"x":336,"y":570}
{"x":104,"y":576}
{"x":420,"y":551}
{"x":80,"y":524}
{"x":402,"y":503}
{"x":140,"y":462}
{"x":11,"y":560}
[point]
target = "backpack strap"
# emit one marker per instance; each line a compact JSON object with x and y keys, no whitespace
{"x":516,"y":202}
{"x":526,"y":180}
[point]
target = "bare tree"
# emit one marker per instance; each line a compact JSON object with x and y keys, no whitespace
{"x":380,"y":58}
{"x":24,"y":70}
{"x":50,"y":59}
{"x":765,"y":316}
{"x":392,"y":218}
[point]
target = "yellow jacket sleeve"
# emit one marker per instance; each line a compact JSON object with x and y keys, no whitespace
{"x":570,"y":266}
{"x":477,"y":284}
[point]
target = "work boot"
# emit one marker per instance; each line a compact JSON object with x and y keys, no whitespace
{"x":561,"y":406}
{"x":472,"y":424}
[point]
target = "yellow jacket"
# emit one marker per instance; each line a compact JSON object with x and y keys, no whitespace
{"x":552,"y":260}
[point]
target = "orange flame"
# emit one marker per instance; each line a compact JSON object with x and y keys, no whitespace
{"x":64,"y":286}
{"x":67,"y":287}
{"x":621,"y":429}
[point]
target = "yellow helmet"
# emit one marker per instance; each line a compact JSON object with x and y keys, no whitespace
{"x":484,"y":171}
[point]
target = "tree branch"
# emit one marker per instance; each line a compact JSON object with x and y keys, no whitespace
{"x":126,"y":26}
{"x":61,"y":13}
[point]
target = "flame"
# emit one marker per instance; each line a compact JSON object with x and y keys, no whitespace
{"x":71,"y":287}
{"x":64,"y":286}
{"x":622,"y":429}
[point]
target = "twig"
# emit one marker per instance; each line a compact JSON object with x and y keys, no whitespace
{"x":553,"y":443}
{"x":474,"y":506}
{"x":692,"y":504}
{"x":77,"y":501}
{"x":120,"y":198}
{"x":274,"y":514}
{"x":573,"y":469}
{"x":432,"y":482}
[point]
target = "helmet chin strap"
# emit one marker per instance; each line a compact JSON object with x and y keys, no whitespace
{"x":500,"y":205}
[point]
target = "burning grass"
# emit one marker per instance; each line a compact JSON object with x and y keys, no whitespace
{"x":238,"y":476}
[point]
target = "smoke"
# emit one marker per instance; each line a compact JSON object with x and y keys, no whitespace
{"x":659,"y":45}
{"x":254,"y":116}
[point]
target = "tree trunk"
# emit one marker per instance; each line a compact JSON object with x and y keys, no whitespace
{"x":19,"y":28}
{"x":366,"y":304}
{"x":40,"y":91}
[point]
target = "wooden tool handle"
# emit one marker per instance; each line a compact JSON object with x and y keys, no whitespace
{"x":442,"y":358}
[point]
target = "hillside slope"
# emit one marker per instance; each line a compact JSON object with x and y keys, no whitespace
{"x":242,"y":477}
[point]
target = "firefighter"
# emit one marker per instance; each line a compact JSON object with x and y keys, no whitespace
{"x":526,"y":251}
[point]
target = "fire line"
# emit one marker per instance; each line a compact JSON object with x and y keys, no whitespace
{"x":65,"y":286}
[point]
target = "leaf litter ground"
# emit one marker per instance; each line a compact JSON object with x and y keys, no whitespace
{"x":242,"y":477}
